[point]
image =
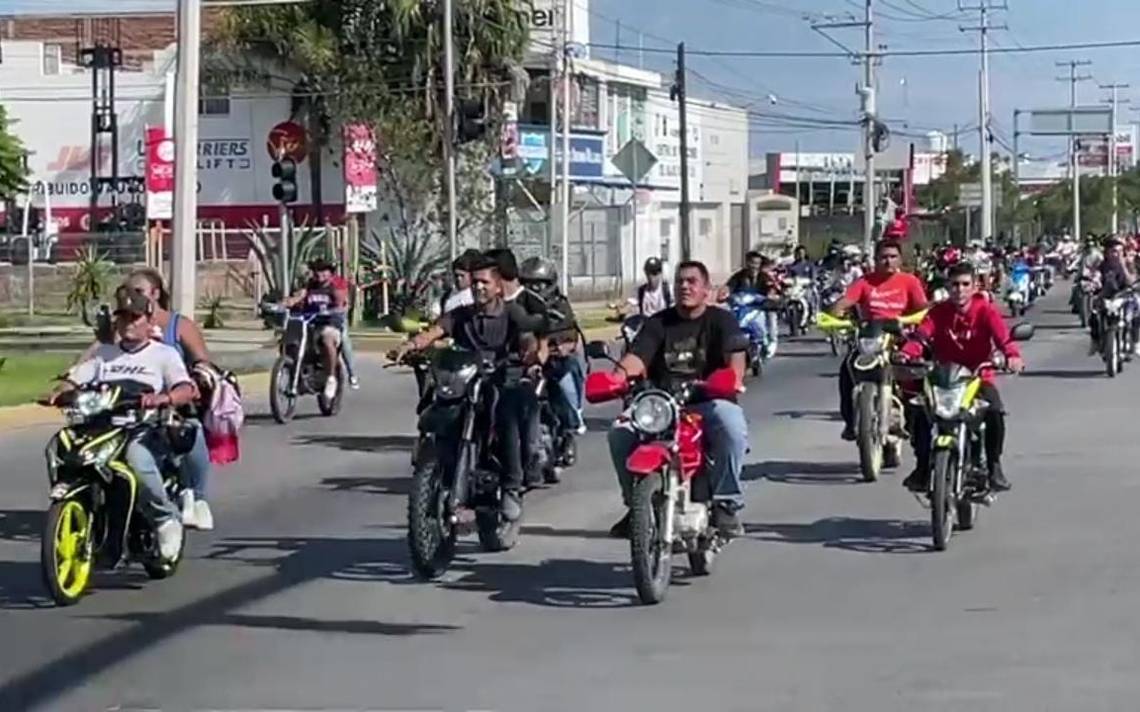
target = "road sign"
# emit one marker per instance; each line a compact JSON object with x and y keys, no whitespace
{"x":634,"y":161}
{"x":970,"y":195}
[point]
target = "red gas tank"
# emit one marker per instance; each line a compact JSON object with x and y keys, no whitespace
{"x":690,"y":434}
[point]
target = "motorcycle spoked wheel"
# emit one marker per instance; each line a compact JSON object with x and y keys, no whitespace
{"x":281,"y":404}
{"x":941,"y":512}
{"x":431,"y":538}
{"x":66,"y":551}
{"x":868,"y":433}
{"x":1112,"y":355}
{"x":651,"y":558}
{"x":332,"y":407}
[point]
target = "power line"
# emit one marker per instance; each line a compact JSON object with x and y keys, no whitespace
{"x":753,"y":54}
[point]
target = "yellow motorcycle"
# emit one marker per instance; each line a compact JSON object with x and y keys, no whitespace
{"x":879,"y":414}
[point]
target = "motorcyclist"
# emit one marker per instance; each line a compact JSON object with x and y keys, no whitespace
{"x":183,"y":335}
{"x":685,"y":342}
{"x":885,"y":293}
{"x":1116,"y":276}
{"x":502,"y":329}
{"x":758,"y":275}
{"x":801,"y":266}
{"x":321,"y":292}
{"x":136,"y":357}
{"x":540,"y":276}
{"x":461,"y":276}
{"x":654,"y":295}
{"x":963,"y":330}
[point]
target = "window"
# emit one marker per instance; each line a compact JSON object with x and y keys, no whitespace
{"x":53,"y":57}
{"x":213,"y":99}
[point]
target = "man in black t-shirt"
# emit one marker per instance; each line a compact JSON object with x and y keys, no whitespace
{"x":683,"y":343}
{"x":491,"y":326}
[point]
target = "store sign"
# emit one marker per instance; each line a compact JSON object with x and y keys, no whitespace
{"x":159,"y":174}
{"x":587,"y":156}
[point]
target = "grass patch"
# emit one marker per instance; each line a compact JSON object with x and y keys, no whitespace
{"x":25,"y":377}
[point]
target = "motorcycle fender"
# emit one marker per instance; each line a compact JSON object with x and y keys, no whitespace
{"x":68,"y":490}
{"x":647,"y":459}
{"x":944,"y":442}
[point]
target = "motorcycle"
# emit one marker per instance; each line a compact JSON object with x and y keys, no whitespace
{"x":92,"y":520}
{"x":959,"y":476}
{"x":751,"y":311}
{"x":558,"y":447}
{"x":1018,"y":294}
{"x":1042,"y":281}
{"x":798,"y":310}
{"x":457,"y":471}
{"x":879,"y":414}
{"x":298,"y":370}
{"x":1115,"y":316}
{"x":671,"y":502}
{"x":1084,"y":297}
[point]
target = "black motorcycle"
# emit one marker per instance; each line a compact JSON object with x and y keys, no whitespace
{"x":1114,"y":316}
{"x":298,"y":370}
{"x":92,"y":520}
{"x":558,"y":447}
{"x":457,"y":469}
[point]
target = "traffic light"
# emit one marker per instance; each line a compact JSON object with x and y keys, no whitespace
{"x":471,"y":121}
{"x":285,"y":171}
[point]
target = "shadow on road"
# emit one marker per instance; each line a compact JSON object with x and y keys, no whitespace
{"x":288,"y":563}
{"x":21,"y":586}
{"x":871,"y":536}
{"x":267,"y":418}
{"x":549,"y":531}
{"x":803,"y":473}
{"x":1067,"y":375}
{"x":360,"y":443}
{"x":369,"y":485}
{"x":830,"y":416}
{"x":595,"y":424}
{"x":557,"y":583}
{"x":21,"y":524}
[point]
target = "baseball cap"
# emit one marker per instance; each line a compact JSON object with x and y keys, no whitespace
{"x":131,"y":301}
{"x":653,"y":266}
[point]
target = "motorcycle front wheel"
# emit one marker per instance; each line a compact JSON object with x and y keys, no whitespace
{"x":431,"y":537}
{"x":281,"y":404}
{"x":332,"y":407}
{"x":651,"y":557}
{"x":65,"y":551}
{"x":941,"y":517}
{"x":868,"y":434}
{"x":1111,"y":355}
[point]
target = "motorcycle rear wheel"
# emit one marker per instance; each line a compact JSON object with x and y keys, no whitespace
{"x":652,"y":559}
{"x":868,"y":434}
{"x":65,"y":551}
{"x":431,"y":539}
{"x":941,"y":519}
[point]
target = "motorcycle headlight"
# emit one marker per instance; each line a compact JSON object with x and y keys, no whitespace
{"x":102,"y":454}
{"x":92,"y":402}
{"x":652,"y":414}
{"x":948,"y":401}
{"x":1112,"y":306}
{"x":453,"y":384}
{"x":869,"y":346}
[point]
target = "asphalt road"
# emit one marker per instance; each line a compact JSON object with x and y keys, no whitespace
{"x":302,"y":598}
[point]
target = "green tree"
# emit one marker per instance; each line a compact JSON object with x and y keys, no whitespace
{"x":13,"y":175}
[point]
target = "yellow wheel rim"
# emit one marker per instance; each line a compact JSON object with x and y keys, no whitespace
{"x":72,"y":553}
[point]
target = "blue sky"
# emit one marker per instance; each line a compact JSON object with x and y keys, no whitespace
{"x":939,"y":92}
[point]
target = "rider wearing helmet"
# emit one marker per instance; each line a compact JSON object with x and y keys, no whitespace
{"x":654,"y":295}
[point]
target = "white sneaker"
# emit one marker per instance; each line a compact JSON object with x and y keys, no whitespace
{"x":170,"y":539}
{"x":203,"y":516}
{"x":354,"y":383}
{"x":189,"y":513}
{"x":330,"y":388}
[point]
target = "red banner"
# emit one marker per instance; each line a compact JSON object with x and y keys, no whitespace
{"x":360,"y":175}
{"x":159,"y":174}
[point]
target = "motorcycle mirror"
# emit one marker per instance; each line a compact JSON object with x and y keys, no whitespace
{"x":598,"y":349}
{"x":1022,"y":331}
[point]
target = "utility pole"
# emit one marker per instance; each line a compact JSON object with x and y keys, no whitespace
{"x":567,"y":118}
{"x":449,"y":130}
{"x":183,"y":255}
{"x":866,"y":92}
{"x":985,"y":137}
{"x":683,"y":111}
{"x":1112,"y":165}
{"x":1074,"y":164}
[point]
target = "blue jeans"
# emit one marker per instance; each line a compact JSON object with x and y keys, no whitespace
{"x":726,"y":441}
{"x":346,"y":351}
{"x":194,"y":470}
{"x":772,"y":319}
{"x":572,"y":385}
{"x":152,"y":502}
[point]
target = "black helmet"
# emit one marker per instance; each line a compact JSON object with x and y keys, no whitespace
{"x":537,"y":269}
{"x":653,"y":265}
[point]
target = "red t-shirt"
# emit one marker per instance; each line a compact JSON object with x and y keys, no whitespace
{"x":887,"y":296}
{"x":967,"y":337}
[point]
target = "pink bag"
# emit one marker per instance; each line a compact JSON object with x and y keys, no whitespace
{"x":223,"y":420}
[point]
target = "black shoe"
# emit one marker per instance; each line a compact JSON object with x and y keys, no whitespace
{"x":998,"y":482}
{"x":533,"y":478}
{"x":848,"y":433}
{"x":552,"y":475}
{"x":620,"y":530}
{"x":726,"y":522}
{"x":511,"y":506}
{"x":918,"y":481}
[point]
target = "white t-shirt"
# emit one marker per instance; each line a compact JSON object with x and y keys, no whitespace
{"x":460,"y":299}
{"x":653,"y":300}
{"x":152,"y":364}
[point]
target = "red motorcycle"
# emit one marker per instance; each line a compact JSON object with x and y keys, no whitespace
{"x":671,"y":502}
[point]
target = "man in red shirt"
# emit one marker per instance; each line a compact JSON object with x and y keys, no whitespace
{"x":886,"y":293}
{"x":966,"y":330}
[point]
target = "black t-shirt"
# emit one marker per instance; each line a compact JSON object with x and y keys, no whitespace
{"x":743,"y":280}
{"x":675,"y":349}
{"x":498,"y":329}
